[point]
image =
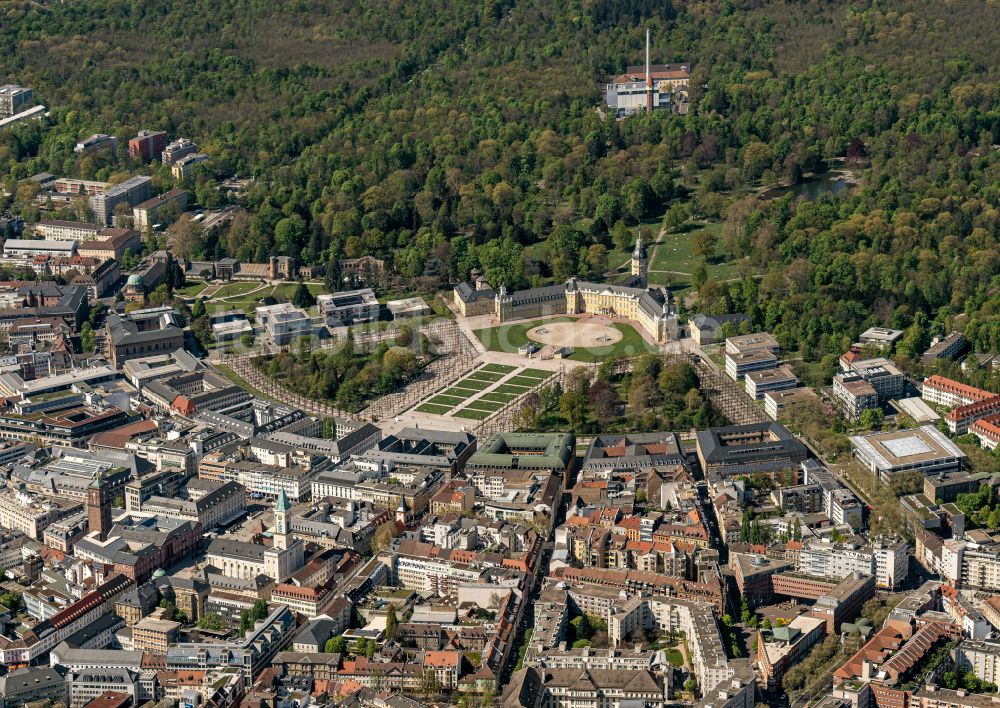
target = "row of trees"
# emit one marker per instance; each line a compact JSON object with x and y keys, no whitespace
{"x":343,"y":375}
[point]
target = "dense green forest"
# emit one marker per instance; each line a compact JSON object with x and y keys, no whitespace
{"x":445,"y":134}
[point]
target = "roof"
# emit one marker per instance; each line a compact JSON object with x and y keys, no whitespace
{"x":905,"y":447}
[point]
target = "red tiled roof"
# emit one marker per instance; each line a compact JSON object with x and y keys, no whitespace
{"x":943,"y":383}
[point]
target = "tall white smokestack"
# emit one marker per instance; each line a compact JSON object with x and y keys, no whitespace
{"x":649,"y":79}
{"x":647,"y":57}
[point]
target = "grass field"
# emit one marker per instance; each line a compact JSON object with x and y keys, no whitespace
{"x":433,"y":408}
{"x":485,"y":376}
{"x":510,"y":337}
{"x":285,"y":291}
{"x":498,"y":368}
{"x":192,"y":290}
{"x":236,"y":289}
{"x":508,"y":388}
{"x":497,"y":396}
{"x":535,"y":373}
{"x":523,"y":381}
{"x":481,"y":405}
{"x":474,"y":384}
{"x":472,"y":414}
{"x":461,"y":392}
{"x":676,"y":253}
{"x":443,"y":400}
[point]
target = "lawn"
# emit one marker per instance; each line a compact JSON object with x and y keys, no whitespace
{"x":481,"y":405}
{"x":510,"y":337}
{"x":447,"y":400}
{"x":675,"y":657}
{"x":676,"y":253}
{"x":433,"y":408}
{"x":474,"y":384}
{"x":508,"y":388}
{"x":485,"y":376}
{"x":497,"y":396}
{"x":192,"y":290}
{"x":462,"y":393}
{"x":498,"y":368}
{"x":523,"y":381}
{"x":236,"y":289}
{"x":472,"y":414}
{"x":285,"y":291}
{"x":535,"y":373}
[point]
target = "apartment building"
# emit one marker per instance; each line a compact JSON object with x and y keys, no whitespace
{"x":59,"y":230}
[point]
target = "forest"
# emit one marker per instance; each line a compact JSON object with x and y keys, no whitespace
{"x":441,"y":138}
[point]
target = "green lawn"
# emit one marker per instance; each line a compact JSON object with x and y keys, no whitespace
{"x":498,"y":368}
{"x":433,"y":408}
{"x":497,"y":396}
{"x":472,"y":414}
{"x":481,"y":405}
{"x":485,"y":376}
{"x":510,"y":337}
{"x":236,"y":289}
{"x":676,"y":253}
{"x":473,"y":384}
{"x":675,"y":657}
{"x":528,"y":381}
{"x":463,"y":393}
{"x":285,"y":291}
{"x":535,"y":373}
{"x":447,"y":400}
{"x":508,"y":388}
{"x":192,"y":290}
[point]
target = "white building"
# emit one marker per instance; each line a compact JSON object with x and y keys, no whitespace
{"x":29,"y":248}
{"x":283,"y":322}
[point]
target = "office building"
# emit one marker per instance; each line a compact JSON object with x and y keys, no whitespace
{"x":147,"y":145}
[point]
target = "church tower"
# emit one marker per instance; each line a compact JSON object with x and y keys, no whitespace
{"x":99,"y":508}
{"x":640,"y":262}
{"x":281,"y":509}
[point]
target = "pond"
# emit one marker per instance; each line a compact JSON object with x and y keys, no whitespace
{"x":824,"y":183}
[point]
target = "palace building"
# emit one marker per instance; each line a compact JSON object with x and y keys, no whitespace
{"x":652,"y":308}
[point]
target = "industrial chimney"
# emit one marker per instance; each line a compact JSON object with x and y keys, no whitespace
{"x":649,"y":79}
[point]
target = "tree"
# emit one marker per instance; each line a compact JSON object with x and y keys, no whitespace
{"x":391,"y":623}
{"x":429,"y":683}
{"x":597,"y":259}
{"x":705,"y":243}
{"x":198,"y":309}
{"x":211,"y":622}
{"x":573,"y":407}
{"x":383,"y":536}
{"x":335,"y":645}
{"x":604,"y":401}
{"x":185,"y":238}
{"x":581,"y":627}
{"x":303,"y":297}
{"x":872,"y":418}
{"x":88,"y":341}
{"x":11,"y":600}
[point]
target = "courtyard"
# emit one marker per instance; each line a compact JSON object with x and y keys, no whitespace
{"x":591,"y":338}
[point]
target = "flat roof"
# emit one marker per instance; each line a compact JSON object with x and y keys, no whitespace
{"x":917,"y":409}
{"x":906,"y":447}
